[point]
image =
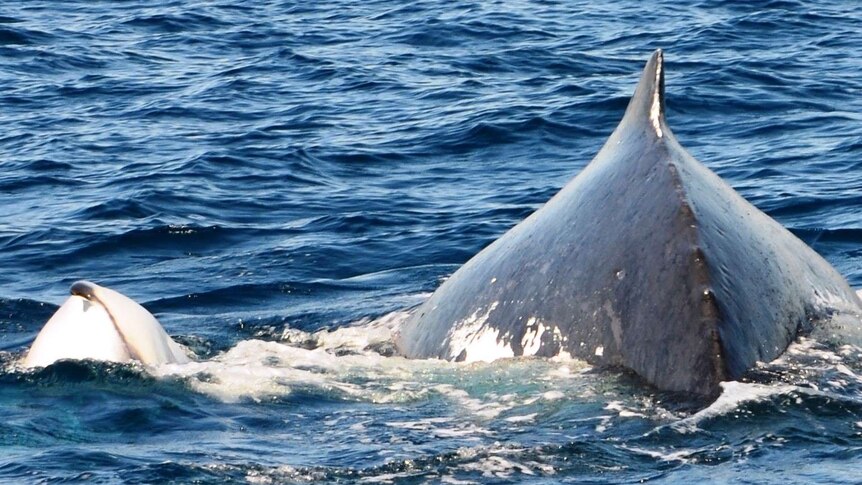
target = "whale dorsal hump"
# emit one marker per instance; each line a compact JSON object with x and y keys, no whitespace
{"x":646,"y":260}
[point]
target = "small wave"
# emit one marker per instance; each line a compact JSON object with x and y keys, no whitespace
{"x":814,"y":236}
{"x":86,"y":374}
{"x":176,"y":22}
{"x":194,"y":238}
{"x":19,"y":36}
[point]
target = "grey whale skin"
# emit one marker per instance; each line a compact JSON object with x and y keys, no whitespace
{"x":646,"y":260}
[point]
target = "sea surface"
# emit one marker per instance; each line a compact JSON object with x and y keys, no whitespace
{"x":280,"y":183}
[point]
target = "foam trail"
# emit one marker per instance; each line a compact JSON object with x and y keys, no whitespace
{"x":343,"y":364}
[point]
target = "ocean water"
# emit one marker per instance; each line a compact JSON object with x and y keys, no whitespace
{"x":281,"y":182}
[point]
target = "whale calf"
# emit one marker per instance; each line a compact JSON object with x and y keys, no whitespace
{"x":647,"y":261}
{"x":101,"y":324}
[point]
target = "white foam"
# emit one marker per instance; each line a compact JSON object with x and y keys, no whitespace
{"x":526,"y":418}
{"x":553,"y":395}
{"x":363,"y":333}
{"x":733,"y":394}
{"x":496,"y":467}
{"x":681,"y":455}
{"x":257,"y":370}
{"x":622,"y":411}
{"x":342,"y":367}
{"x":486,"y":410}
{"x":500,"y":462}
{"x":441,"y":427}
{"x":450,"y":480}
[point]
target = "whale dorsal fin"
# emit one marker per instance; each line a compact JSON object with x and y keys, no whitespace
{"x":646,"y":107}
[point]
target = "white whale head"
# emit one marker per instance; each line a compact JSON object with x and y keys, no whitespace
{"x":101,"y":324}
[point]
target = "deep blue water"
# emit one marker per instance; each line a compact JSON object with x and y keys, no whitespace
{"x":257,"y":173}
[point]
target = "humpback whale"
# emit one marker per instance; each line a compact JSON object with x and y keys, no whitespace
{"x":646,"y":261}
{"x":101,"y":324}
